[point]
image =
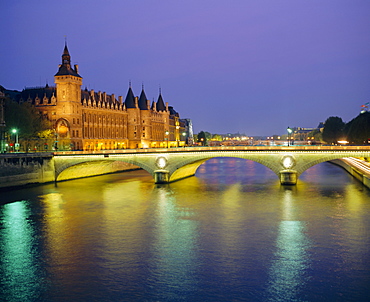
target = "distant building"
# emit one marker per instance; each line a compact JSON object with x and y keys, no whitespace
{"x":90,"y":120}
{"x":301,"y":134}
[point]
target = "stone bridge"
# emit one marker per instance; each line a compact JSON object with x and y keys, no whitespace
{"x":168,"y":165}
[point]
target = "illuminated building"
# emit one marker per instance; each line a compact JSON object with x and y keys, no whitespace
{"x":84,"y":119}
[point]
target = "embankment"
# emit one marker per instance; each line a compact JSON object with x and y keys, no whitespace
{"x":20,"y":169}
{"x":356,"y":173}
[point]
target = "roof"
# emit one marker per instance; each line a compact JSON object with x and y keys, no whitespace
{"x":172,"y":111}
{"x":32,"y":93}
{"x":65,"y":68}
{"x":160,"y":104}
{"x":130,"y":99}
{"x":143,"y":101}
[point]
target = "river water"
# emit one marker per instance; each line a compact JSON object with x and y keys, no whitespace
{"x":232,"y":233}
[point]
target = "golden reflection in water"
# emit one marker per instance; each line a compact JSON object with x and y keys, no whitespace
{"x":354,"y":225}
{"x":20,"y":279}
{"x":288,"y":210}
{"x":356,"y":197}
{"x":174,"y":243}
{"x":287,"y":272}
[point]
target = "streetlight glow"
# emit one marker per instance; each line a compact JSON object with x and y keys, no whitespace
{"x":16,"y":145}
{"x":289,"y":132}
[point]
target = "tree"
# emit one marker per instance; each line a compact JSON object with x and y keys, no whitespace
{"x":358,"y":129}
{"x":316,"y":134}
{"x":26,"y":119}
{"x":208,"y":135}
{"x":333,"y":130}
{"x":202,"y":138}
{"x":217,"y":137}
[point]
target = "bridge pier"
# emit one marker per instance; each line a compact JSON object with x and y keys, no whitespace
{"x":288,"y":177}
{"x":161,"y":177}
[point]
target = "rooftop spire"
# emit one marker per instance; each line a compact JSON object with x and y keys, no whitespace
{"x":65,"y":68}
{"x":66,"y":58}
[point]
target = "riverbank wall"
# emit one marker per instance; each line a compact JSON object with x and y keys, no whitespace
{"x":363,"y":178}
{"x":21,"y":169}
{"x":29,"y":168}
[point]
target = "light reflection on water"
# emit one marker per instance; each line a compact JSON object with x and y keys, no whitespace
{"x":21,"y":280}
{"x":230,"y":234}
{"x":288,"y":268}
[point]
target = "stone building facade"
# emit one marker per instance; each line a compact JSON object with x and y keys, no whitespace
{"x":84,"y":119}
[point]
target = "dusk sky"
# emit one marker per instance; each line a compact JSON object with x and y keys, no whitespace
{"x":253,"y":66}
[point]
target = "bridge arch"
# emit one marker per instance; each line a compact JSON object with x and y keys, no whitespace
{"x":188,"y":166}
{"x":93,"y":168}
{"x":310,"y":162}
{"x":71,"y":168}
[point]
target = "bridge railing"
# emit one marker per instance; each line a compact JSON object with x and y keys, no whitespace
{"x":218,"y":148}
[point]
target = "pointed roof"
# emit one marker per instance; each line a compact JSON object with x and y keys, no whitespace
{"x":65,"y":68}
{"x":143,"y":101}
{"x":130,"y":99}
{"x":160,"y":103}
{"x":66,"y":52}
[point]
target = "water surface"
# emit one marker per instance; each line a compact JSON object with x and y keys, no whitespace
{"x":232,"y":233}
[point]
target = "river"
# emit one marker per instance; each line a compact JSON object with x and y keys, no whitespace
{"x":231,"y":233}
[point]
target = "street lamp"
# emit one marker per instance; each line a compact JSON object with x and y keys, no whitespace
{"x":184,"y":137}
{"x":289,"y":133}
{"x":166,"y":138}
{"x":16,"y":145}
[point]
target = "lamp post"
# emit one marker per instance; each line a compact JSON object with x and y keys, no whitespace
{"x":166,"y":138}
{"x":289,"y":133}
{"x":177,"y":135}
{"x":16,"y":144}
{"x":184,"y":137}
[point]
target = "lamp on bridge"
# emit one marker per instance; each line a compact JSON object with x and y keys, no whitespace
{"x":289,"y":133}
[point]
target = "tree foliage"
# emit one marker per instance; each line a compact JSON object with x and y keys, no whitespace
{"x":358,"y":129}
{"x":333,"y":130}
{"x":217,"y":137}
{"x":202,"y":138}
{"x":25,"y":118}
